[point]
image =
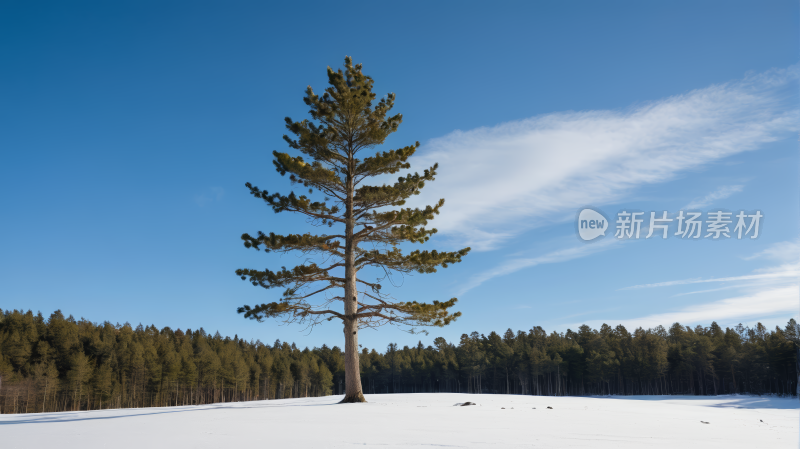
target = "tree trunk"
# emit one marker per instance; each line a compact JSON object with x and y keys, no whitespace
{"x":352,"y":372}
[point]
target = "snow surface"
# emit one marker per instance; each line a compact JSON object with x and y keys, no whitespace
{"x":417,"y":420}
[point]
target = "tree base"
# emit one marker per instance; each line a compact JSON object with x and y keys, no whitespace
{"x":353,"y":398}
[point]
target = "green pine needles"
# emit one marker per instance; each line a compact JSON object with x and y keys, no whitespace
{"x":370,"y":219}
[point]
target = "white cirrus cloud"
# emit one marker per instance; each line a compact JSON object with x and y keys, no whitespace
{"x":719,"y":194}
{"x":515,"y":264}
{"x":784,"y":251}
{"x":788,"y":272}
{"x":761,"y":304}
{"x":502,"y":180}
{"x":727,"y":287}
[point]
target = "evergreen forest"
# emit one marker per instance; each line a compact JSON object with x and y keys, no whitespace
{"x":61,"y":364}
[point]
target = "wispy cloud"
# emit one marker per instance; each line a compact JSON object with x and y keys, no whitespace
{"x":727,"y":287}
{"x":516,"y":264}
{"x":789,"y":273}
{"x":787,"y":252}
{"x":719,"y":194}
{"x":783,"y":251}
{"x":502,"y":180}
{"x":765,"y":293}
{"x":765,"y":303}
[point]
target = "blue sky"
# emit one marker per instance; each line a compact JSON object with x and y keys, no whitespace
{"x":130,"y":128}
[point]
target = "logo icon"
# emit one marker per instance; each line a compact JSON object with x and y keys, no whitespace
{"x":591,"y":224}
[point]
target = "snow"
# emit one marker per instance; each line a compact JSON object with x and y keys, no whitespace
{"x":417,"y":420}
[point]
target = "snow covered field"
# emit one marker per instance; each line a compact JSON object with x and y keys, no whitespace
{"x":415,"y":420}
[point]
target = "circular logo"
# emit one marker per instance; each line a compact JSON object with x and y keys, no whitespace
{"x":591,"y":224}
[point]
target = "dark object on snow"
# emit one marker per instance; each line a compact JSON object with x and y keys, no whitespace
{"x":534,"y":408}
{"x":467,"y":403}
{"x":551,"y":408}
{"x":704,"y":422}
{"x":502,"y":408}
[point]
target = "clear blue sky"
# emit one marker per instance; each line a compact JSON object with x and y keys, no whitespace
{"x":129,"y":129}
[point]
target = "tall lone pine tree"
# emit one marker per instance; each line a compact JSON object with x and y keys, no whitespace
{"x":348,"y":123}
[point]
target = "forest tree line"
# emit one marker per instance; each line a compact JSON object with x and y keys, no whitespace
{"x":62,"y":364}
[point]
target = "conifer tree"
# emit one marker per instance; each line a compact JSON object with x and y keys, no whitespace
{"x":370,"y":219}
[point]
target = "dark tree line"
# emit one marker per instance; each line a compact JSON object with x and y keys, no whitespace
{"x":60,"y":363}
{"x":679,"y":360}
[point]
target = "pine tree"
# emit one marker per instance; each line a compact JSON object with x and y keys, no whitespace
{"x":80,"y":372}
{"x":103,"y":381}
{"x":348,"y":122}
